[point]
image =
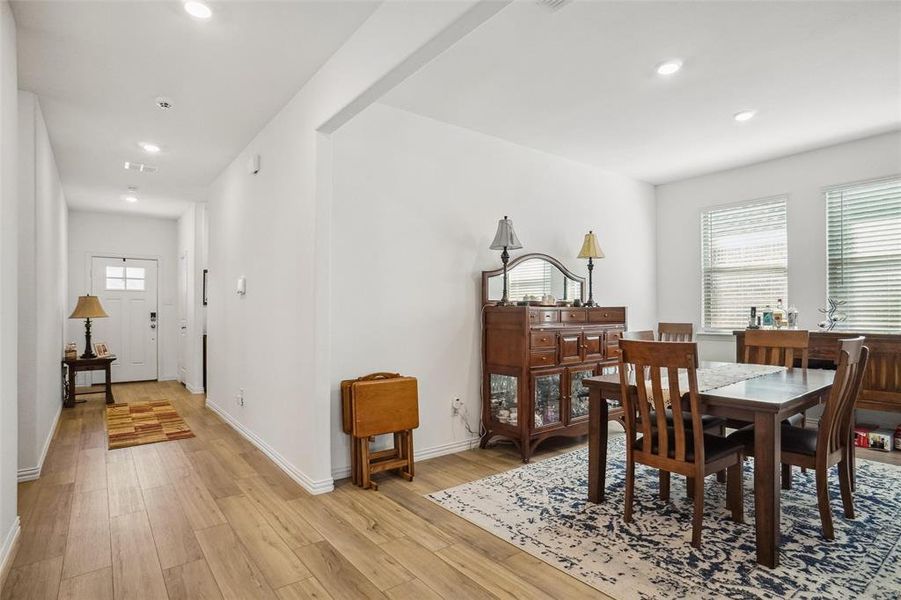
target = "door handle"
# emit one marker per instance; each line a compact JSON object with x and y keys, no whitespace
{"x":153,"y":320}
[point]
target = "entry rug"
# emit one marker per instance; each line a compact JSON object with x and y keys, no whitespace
{"x":542,"y":508}
{"x":139,"y":423}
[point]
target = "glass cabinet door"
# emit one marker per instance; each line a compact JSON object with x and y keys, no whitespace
{"x":547,"y":398}
{"x":504,"y":399}
{"x":578,"y":393}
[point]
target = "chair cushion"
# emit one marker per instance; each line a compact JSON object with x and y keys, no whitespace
{"x":715,"y":447}
{"x":707,"y":421}
{"x":794,"y":439}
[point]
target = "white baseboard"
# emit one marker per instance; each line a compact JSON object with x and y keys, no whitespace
{"x":8,"y":550}
{"x":167,"y":378}
{"x":32,"y":473}
{"x":422,"y":454}
{"x":194,"y":390}
{"x":313,"y":486}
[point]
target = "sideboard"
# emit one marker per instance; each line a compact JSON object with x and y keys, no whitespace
{"x":882,"y":382}
{"x":534,"y":360}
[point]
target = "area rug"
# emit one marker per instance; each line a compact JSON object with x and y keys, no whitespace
{"x":542,"y":508}
{"x":139,"y":423}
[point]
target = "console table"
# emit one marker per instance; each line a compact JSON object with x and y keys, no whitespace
{"x":74,"y":365}
{"x":882,"y":382}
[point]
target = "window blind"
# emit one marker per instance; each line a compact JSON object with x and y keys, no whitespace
{"x":744,"y":261}
{"x":864,"y":253}
{"x":532,"y":277}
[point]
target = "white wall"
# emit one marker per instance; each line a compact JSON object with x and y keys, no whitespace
{"x":43,"y":272}
{"x":190,"y":308}
{"x":802,"y":177}
{"x":9,"y":522}
{"x":274,"y":228}
{"x":415,"y":207}
{"x":106,"y":234}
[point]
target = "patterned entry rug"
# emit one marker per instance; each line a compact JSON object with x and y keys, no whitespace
{"x":144,"y":423}
{"x":542,"y":508}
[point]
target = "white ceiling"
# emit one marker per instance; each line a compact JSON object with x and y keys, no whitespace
{"x":98,"y":67}
{"x":580,"y":82}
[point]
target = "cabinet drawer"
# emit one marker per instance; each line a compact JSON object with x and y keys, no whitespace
{"x":543,"y":358}
{"x":607,"y":315}
{"x":573,"y":316}
{"x":543,"y":316}
{"x":612,"y":346}
{"x":544,"y":339}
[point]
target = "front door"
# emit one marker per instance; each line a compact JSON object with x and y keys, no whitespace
{"x":127,"y":289}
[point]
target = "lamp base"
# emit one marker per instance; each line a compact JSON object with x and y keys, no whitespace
{"x":86,"y":355}
{"x":589,"y":303}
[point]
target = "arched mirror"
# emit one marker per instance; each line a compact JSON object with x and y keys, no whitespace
{"x":533,"y":275}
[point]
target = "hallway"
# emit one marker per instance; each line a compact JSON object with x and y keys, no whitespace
{"x":213,"y":517}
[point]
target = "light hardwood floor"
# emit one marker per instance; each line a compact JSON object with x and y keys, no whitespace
{"x":212,"y":517}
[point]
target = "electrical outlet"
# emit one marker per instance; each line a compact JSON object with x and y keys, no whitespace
{"x":456,"y":406}
{"x":239,"y":397}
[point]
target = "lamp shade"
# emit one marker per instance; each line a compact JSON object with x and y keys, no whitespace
{"x":505,"y":236}
{"x":88,"y":307}
{"x":590,"y":247}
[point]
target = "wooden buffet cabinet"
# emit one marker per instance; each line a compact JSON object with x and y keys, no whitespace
{"x":534,"y":360}
{"x":882,"y":382}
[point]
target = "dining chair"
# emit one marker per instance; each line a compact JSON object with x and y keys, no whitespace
{"x":645,"y":334}
{"x":673,"y":447}
{"x":675,"y":332}
{"x":830,"y":443}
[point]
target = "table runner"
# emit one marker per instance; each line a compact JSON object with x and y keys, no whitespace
{"x":717,"y":377}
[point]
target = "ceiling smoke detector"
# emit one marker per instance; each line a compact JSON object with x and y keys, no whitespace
{"x":140,"y":167}
{"x":163,"y":103}
{"x":553,"y":5}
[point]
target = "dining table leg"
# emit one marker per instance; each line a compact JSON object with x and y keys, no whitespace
{"x":767,"y":455}
{"x":597,"y":445}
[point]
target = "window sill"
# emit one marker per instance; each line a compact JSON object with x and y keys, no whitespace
{"x":714,"y":334}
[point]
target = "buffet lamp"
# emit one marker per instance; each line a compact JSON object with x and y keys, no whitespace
{"x":88,"y":308}
{"x":505,"y":239}
{"x":590,"y":250}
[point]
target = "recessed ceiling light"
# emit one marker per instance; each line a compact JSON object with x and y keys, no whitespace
{"x":131,"y":198}
{"x":163,"y":103}
{"x":198,"y":10}
{"x":148,"y":147}
{"x":744,"y":115}
{"x":669,"y":67}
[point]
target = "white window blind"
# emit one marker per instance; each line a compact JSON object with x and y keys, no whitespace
{"x":744,"y":261}
{"x":532,"y":277}
{"x":864,"y":249}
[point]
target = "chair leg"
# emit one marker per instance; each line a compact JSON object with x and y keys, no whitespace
{"x":664,"y":485}
{"x":823,"y":503}
{"x":803,"y":426}
{"x":721,"y":475}
{"x":365,"y":481}
{"x":851,"y":457}
{"x":630,"y":490}
{"x":735,"y":492}
{"x":689,"y":487}
{"x":698,"y":517}
{"x":786,"y":476}
{"x":844,"y":480}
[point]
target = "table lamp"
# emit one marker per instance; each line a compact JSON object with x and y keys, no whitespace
{"x":590,"y":250}
{"x":505,"y":239}
{"x":88,"y":308}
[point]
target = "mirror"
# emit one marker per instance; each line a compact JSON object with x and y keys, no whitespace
{"x":535,"y":275}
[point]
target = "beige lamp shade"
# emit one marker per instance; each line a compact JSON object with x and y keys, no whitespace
{"x":88,"y":307}
{"x":590,"y":247}
{"x":505,"y":238}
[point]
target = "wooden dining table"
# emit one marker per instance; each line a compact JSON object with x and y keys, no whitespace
{"x":764,"y":400}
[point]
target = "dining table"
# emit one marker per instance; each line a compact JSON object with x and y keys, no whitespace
{"x":762,"y":398}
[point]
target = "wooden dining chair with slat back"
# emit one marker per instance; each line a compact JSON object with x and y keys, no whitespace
{"x":672,"y":447}
{"x":776,"y":347}
{"x":646,"y":335}
{"x":830,"y":443}
{"x":675,"y":332}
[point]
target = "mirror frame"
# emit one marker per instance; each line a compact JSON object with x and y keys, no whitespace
{"x":522,"y":258}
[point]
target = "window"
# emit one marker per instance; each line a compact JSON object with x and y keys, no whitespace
{"x":744,"y":261}
{"x":125,"y":278}
{"x":532,"y":277}
{"x":863,"y":224}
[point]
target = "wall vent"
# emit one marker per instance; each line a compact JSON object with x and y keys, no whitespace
{"x":553,"y":5}
{"x":140,"y":167}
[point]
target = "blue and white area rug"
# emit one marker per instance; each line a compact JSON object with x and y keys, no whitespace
{"x":543,"y":509}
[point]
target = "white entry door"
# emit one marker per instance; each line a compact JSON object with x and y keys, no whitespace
{"x":127,"y":290}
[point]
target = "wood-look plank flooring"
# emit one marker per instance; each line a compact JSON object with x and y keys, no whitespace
{"x":212,"y":517}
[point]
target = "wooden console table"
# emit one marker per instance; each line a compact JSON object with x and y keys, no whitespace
{"x":74,"y":365}
{"x":882,"y":382}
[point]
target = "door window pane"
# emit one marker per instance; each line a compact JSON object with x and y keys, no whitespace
{"x":114,"y":283}
{"x":578,"y":393}
{"x":547,"y":400}
{"x":134,"y":272}
{"x":115,"y":272}
{"x":135,"y":285}
{"x":503,"y":397}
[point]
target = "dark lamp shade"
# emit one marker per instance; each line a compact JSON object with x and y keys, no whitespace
{"x":88,"y":307}
{"x":590,"y":247}
{"x":505,"y":236}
